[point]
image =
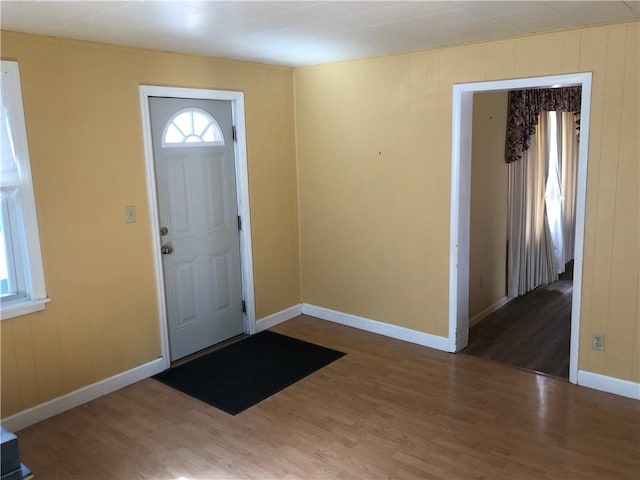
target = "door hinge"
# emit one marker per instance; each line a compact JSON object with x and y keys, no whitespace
{"x":234,"y":133}
{"x":244,"y":306}
{"x":239,"y":222}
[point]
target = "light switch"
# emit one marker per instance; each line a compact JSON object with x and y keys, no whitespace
{"x":130,"y":213}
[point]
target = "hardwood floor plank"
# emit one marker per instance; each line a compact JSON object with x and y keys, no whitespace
{"x":388,"y":409}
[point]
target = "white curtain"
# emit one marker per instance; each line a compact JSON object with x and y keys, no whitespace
{"x":541,"y":223}
{"x":9,"y":168}
{"x":569,"y":181}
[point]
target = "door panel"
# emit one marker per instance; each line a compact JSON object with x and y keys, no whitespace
{"x":179,"y":201}
{"x":216,"y":194}
{"x":221,"y":273}
{"x":197,"y":202}
{"x":185,"y":281}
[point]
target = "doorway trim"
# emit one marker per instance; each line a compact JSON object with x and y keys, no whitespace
{"x":461,"y":198}
{"x":242,"y":186}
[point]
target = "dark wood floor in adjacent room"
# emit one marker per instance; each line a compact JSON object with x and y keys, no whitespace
{"x":388,"y":409}
{"x":532,"y":331}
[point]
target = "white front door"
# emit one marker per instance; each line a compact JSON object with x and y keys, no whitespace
{"x":197,"y":207}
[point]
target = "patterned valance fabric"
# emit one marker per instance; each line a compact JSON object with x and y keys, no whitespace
{"x":524,"y":108}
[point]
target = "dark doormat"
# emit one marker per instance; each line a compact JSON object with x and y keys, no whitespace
{"x":244,"y":373}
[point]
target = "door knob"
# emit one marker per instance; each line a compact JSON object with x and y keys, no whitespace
{"x":166,"y":249}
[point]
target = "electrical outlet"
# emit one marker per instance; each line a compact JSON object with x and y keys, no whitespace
{"x":597,"y":341}
{"x":129,"y":213}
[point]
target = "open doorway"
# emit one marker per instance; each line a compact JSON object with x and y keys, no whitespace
{"x":522,"y":214}
{"x":461,"y":197}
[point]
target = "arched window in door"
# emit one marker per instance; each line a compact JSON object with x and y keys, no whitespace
{"x":192,"y":127}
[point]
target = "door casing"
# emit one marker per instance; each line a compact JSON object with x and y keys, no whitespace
{"x":461,"y":198}
{"x":242,"y":186}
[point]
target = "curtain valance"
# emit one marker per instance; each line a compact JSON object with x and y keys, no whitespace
{"x":524,"y":108}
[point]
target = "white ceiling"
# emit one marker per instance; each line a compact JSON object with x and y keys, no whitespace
{"x":298,"y":33}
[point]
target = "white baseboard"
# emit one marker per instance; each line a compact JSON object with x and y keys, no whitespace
{"x":489,"y":310}
{"x":278,"y":317}
{"x":374,"y":326}
{"x":625,"y":388}
{"x":73,"y":399}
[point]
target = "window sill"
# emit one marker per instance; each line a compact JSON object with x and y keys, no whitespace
{"x":22,"y":307}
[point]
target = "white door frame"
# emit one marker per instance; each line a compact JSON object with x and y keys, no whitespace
{"x":461,"y":198}
{"x":242,"y":186}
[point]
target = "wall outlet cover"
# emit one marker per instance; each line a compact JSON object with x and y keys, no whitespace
{"x":130,"y":213}
{"x":597,"y":341}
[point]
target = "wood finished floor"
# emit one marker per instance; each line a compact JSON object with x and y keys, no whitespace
{"x":388,"y":409}
{"x":532,"y":331}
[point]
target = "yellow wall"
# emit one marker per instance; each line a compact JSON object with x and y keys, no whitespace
{"x":489,"y":195}
{"x":84,"y":128}
{"x":374,"y":154}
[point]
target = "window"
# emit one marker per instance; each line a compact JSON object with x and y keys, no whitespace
{"x":22,"y":287}
{"x":192,"y":127}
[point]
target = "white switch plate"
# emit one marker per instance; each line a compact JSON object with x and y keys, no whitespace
{"x":130,"y":213}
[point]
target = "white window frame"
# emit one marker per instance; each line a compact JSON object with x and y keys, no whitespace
{"x":32,"y":295}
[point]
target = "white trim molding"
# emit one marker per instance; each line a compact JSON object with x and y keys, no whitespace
{"x":488,"y":311}
{"x":374,"y":326}
{"x":617,"y":386}
{"x":278,"y":317}
{"x":83,"y":395}
{"x":242,"y":186}
{"x":22,"y":308}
